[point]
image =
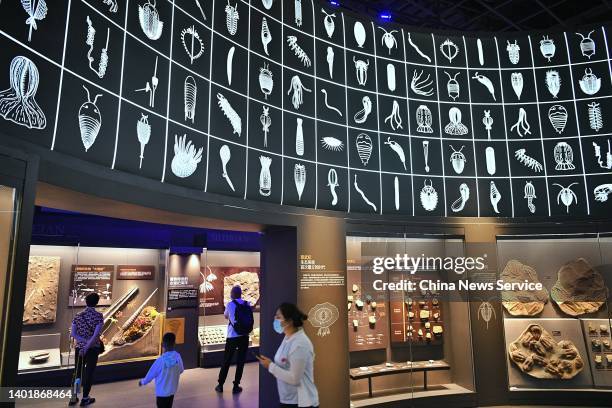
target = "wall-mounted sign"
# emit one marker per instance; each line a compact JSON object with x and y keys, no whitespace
{"x":86,"y":279}
{"x":320,"y":109}
{"x":135,"y":272}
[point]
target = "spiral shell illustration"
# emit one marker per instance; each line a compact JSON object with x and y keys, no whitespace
{"x":231,"y":18}
{"x":553,"y":82}
{"x":17,"y":103}
{"x":190,"y":93}
{"x":150,"y":23}
{"x":364,"y":147}
{"x":557,"y":115}
{"x":186,"y":157}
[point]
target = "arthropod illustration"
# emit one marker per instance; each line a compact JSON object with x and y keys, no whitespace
{"x":230,"y":114}
{"x":553,"y":82}
{"x":364,"y":145}
{"x":37,"y":10}
{"x":298,"y":12}
{"x":458,"y":159}
{"x":595,"y":118}
{"x":90,"y":120}
{"x":17,"y":103}
{"x":190,"y":94}
{"x":494,"y":196}
{"x":589,"y":84}
{"x":150,"y":23}
{"x":265,"y":176}
{"x":449,"y":49}
{"x":455,"y":127}
{"x":151,"y":86}
{"x":388,"y":39}
{"x":231,"y":18}
{"x":424,"y":119}
{"x":362,"y":194}
{"x":459,"y":204}
{"x":398,"y":149}
{"x":452,"y":86}
{"x":143,"y":131}
{"x":602,"y":192}
{"x":329,"y":23}
{"x":360,"y":33}
{"x":100,"y":71}
{"x":522,"y":126}
{"x":192,"y":43}
{"x":530,"y":194}
{"x":298,"y":51}
{"x":566,"y":195}
{"x":528,"y":161}
{"x":333,"y":144}
{"x":299,"y":136}
{"x":557,"y":114}
{"x":330,"y":61}
{"x":266,"y":35}
{"x":299,"y":177}
{"x":486,"y":311}
{"x":332,"y":183}
{"x":362,"y":115}
{"x":225,"y":155}
{"x":296,"y":86}
{"x":487,"y":121}
{"x":421,"y":86}
{"x":266,"y":122}
{"x":186,"y":157}
{"x":266,"y":83}
{"x":564,"y":156}
{"x":598,"y":156}
{"x":517,"y":83}
{"x":486,"y":82}
{"x":429,"y":196}
{"x":417,"y":49}
{"x":394,"y":118}
{"x":513,"y":52}
{"x":324,"y":91}
{"x":361,"y":70}
{"x":587,"y":45}
{"x":547,"y":48}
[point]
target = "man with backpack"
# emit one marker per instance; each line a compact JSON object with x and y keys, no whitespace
{"x":240,"y":316}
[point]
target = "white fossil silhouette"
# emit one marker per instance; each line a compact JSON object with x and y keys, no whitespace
{"x":530,"y":194}
{"x":330,"y":61}
{"x":417,"y":49}
{"x":363,"y":196}
{"x":266,"y":82}
{"x":90,"y":120}
{"x":398,"y":149}
{"x":299,"y":137}
{"x":361,"y":71}
{"x":426,"y":154}
{"x":429,"y":196}
{"x":587,"y":45}
{"x":455,"y":127}
{"x":513,"y":52}
{"x":296,"y":86}
{"x":458,"y":159}
{"x":394,"y":118}
{"x":327,"y":105}
{"x":149,"y":19}
{"x":333,"y":144}
{"x":266,"y":35}
{"x":225,"y":154}
{"x":480,"y":52}
{"x":364,"y":146}
{"x":192,"y":43}
{"x":37,"y":10}
{"x":396,"y":192}
{"x":486,"y":82}
{"x":186,"y":157}
{"x":528,"y":161}
{"x":266,"y":122}
{"x":360,"y":33}
{"x":388,"y":39}
{"x":516,"y":78}
{"x":17,"y":103}
{"x":112,"y":4}
{"x":298,"y":12}
{"x":199,"y":6}
{"x":329,"y":23}
{"x":494,"y":196}
{"x":449,"y":49}
{"x":143,"y":131}
{"x":547,"y":48}
{"x":267,"y":4}
{"x":362,"y":115}
{"x":230,"y":114}
{"x":590,"y":84}
{"x":602,"y":191}
{"x":553,"y":82}
{"x":332,"y":183}
{"x":566,"y":195}
{"x":424,"y":119}
{"x":452,"y":86}
{"x":490,"y":160}
{"x":299,"y":176}
{"x":231,"y":18}
{"x":230,"y":64}
{"x":100,"y":71}
{"x":522,"y":126}
{"x":298,"y":51}
{"x":487,"y":121}
{"x":420,"y":86}
{"x":557,"y":115}
{"x":464,"y":195}
{"x":151,"y":86}
{"x":265,"y":176}
{"x":598,"y":156}
{"x":391,"y":81}
{"x":595,"y":118}
{"x":190,"y":95}
{"x":564,"y":156}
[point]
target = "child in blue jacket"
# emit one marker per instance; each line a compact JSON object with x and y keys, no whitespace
{"x":166,"y":371}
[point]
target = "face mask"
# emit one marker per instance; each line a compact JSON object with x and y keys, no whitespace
{"x":278,"y":327}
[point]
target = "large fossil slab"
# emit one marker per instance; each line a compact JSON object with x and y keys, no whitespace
{"x":522,"y":302}
{"x":40,"y":304}
{"x":248,"y":281}
{"x":579,"y":289}
{"x":537,"y":354}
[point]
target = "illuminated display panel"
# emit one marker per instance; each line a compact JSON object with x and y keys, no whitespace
{"x":300,"y":104}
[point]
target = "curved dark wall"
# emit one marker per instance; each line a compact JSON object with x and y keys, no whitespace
{"x":394,"y":122}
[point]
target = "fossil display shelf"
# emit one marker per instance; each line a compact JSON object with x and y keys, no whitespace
{"x":379,"y":370}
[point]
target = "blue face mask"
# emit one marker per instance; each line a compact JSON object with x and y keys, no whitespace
{"x":278,"y":327}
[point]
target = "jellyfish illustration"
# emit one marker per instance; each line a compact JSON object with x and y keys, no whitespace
{"x":17,"y":104}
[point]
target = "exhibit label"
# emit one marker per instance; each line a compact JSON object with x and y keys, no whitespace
{"x":135,"y":272}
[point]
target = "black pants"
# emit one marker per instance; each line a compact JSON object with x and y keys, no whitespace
{"x":241,"y":344}
{"x":165,"y":402}
{"x":291,"y":406}
{"x":85,"y":367}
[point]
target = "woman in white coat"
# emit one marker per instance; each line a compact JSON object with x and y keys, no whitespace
{"x":294,"y":360}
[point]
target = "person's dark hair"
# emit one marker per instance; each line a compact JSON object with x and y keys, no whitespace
{"x":92,"y":299}
{"x":236,"y":292}
{"x":169,"y":340}
{"x":291,"y":312}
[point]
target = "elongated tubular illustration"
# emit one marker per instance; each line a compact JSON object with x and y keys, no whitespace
{"x":363,"y":196}
{"x":190,"y":94}
{"x":426,"y":154}
{"x":225,"y":154}
{"x":296,"y":86}
{"x":421,"y":87}
{"x":112,"y":310}
{"x":332,"y":183}
{"x":143,"y":131}
{"x":199,"y":6}
{"x":299,"y":137}
{"x":324,"y":91}
{"x":528,"y":161}
{"x":417,"y":49}
{"x":265,"y":176}
{"x":266,"y":35}
{"x":230,"y":114}
{"x":480,"y":52}
{"x":299,"y":176}
{"x":396,"y":193}
{"x":17,"y":103}
{"x":298,"y":12}
{"x":134,"y":315}
{"x":103,"y":63}
{"x":266,"y":122}
{"x":230,"y":64}
{"x":330,"y":61}
{"x":394,"y":118}
{"x":298,"y":51}
{"x":490,"y":160}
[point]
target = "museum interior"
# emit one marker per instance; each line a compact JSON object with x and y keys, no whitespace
{"x":428,"y":181}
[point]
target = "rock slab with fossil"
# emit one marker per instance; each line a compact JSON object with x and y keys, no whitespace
{"x":40,"y":305}
{"x":522,"y":302}
{"x":248,"y":282}
{"x":579,"y":289}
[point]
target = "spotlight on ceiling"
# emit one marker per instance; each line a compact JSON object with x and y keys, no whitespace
{"x":385,"y":15}
{"x":334,"y":3}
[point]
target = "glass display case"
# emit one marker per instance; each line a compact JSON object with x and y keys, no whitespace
{"x":405,"y":342}
{"x":558,"y":337}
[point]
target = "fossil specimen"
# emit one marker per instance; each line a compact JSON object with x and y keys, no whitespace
{"x":579,"y":289}
{"x":536,"y":353}
{"x":41,"y":288}
{"x":522,"y":302}
{"x":248,"y":282}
